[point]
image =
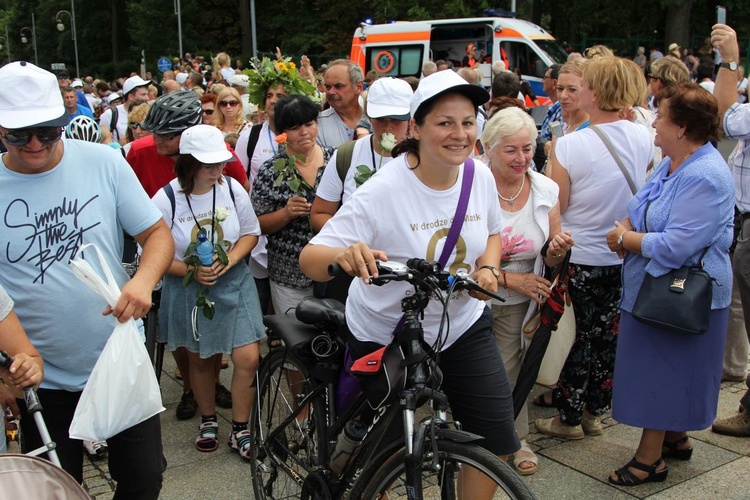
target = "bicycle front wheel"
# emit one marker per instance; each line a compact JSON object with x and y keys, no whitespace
{"x":446,"y":483}
{"x":284,"y":454}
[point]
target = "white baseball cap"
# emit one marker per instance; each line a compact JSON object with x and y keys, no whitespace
{"x":389,"y":97}
{"x":206,"y":144}
{"x":133,"y":82}
{"x":181,"y":78}
{"x":77,"y":84}
{"x":240,"y":80}
{"x":443,"y":82}
{"x":114,"y":96}
{"x":30,"y":97}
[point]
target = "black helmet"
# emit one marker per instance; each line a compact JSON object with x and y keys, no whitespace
{"x":173,"y":113}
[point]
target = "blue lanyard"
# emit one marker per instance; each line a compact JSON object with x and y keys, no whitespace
{"x":270,"y":139}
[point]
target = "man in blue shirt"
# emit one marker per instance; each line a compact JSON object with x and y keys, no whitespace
{"x":55,"y":196}
{"x":735,"y":121}
{"x":72,"y":108}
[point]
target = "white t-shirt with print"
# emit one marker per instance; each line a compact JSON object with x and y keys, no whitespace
{"x":396,"y":213}
{"x":599,"y":193}
{"x":265,"y":148}
{"x":522,"y":241}
{"x":331,"y":188}
{"x":240,"y":221}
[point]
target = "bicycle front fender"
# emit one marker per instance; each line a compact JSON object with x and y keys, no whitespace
{"x":456,"y":435}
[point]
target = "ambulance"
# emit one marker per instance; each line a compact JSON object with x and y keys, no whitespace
{"x":399,"y":49}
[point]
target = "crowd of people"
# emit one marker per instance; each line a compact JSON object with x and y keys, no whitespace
{"x":284,"y":170}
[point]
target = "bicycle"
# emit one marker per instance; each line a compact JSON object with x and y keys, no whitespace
{"x":295,"y":426}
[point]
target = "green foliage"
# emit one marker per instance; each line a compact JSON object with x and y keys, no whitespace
{"x":112,"y":33}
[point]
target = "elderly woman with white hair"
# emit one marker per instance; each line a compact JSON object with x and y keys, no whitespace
{"x":531,"y":217}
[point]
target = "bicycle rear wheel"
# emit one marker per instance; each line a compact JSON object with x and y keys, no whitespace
{"x":389,"y":481}
{"x":283,"y":456}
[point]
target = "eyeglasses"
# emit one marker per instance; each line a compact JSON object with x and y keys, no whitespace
{"x":228,"y":104}
{"x":208,"y":112}
{"x":135,"y":125}
{"x":213,"y":166}
{"x":546,"y":77}
{"x":166,"y":137}
{"x":21,"y":137}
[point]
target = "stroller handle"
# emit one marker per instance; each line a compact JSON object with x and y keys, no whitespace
{"x":32,"y":400}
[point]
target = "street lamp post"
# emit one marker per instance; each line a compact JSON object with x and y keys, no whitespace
{"x":6,"y":39}
{"x":24,"y":38}
{"x":61,"y":27}
{"x":178,"y":12}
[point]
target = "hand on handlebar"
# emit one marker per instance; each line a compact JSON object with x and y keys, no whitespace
{"x":486,"y":280}
{"x":359,"y":260}
{"x":24,"y":372}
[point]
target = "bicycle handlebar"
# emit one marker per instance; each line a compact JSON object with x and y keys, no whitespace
{"x":416,"y":271}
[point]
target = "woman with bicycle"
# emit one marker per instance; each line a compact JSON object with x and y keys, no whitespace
{"x":219,"y":300}
{"x":422,"y":186}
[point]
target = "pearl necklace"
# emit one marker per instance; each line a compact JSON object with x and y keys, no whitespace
{"x":513,"y":198}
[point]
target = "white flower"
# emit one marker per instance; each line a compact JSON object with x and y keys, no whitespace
{"x":221,"y":214}
{"x":388,"y":141}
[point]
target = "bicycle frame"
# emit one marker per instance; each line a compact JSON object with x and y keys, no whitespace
{"x":371,"y":453}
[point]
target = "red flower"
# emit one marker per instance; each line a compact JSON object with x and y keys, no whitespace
{"x":281,"y":138}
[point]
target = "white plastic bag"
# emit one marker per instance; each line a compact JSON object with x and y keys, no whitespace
{"x":122,"y":389}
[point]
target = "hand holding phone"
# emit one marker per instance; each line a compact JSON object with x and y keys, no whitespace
{"x":721,"y":14}
{"x":556,"y":129}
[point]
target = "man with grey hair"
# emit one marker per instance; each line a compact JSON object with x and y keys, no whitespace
{"x":498,"y":67}
{"x":428,"y":68}
{"x":344,"y":83}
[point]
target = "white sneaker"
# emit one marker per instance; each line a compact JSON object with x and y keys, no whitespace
{"x":95,"y":448}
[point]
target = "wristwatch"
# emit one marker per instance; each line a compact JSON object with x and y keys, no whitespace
{"x":731,"y":66}
{"x":494,"y":271}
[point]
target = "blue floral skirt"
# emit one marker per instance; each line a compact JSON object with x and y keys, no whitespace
{"x":238,"y":320}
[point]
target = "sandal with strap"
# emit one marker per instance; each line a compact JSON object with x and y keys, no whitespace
{"x":627,"y":478}
{"x":525,"y":455}
{"x":241,"y":441}
{"x":208,"y":438}
{"x":541,"y":400}
{"x":671,"y":450}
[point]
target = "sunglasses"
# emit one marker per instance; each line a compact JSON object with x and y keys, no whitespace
{"x":208,"y":112}
{"x":135,"y":125}
{"x":21,"y":137}
{"x":166,"y":137}
{"x":228,"y":104}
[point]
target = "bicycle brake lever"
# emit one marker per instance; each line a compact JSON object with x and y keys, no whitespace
{"x":469,"y":283}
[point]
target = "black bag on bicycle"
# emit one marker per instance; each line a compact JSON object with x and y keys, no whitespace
{"x":382,"y":374}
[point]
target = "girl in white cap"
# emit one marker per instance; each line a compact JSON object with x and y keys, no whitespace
{"x":211,"y":309}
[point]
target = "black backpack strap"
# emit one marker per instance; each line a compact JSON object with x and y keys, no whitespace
{"x":251,"y":143}
{"x":231,"y":192}
{"x":170,"y":194}
{"x":113,"y":122}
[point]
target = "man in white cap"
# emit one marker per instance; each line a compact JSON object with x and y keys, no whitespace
{"x":354,"y":162}
{"x":116,"y":119}
{"x":55,"y":196}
